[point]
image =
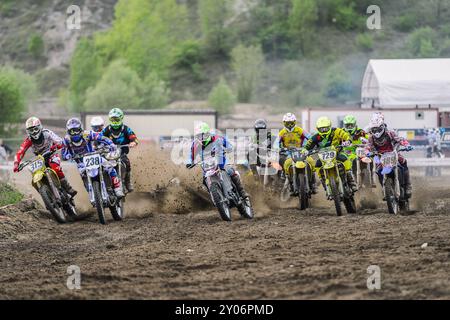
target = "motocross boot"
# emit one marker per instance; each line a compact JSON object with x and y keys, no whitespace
{"x":128,"y":183}
{"x":240,"y":188}
{"x":351,"y":181}
{"x":117,"y":186}
{"x":408,"y":188}
{"x":66,"y":186}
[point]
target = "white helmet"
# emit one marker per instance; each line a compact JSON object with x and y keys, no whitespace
{"x":289,"y":121}
{"x":97,"y":124}
{"x":377,"y":125}
{"x":34,"y":128}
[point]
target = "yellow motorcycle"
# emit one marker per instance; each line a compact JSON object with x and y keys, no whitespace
{"x":47,"y":183}
{"x":301,"y":174}
{"x":337,"y":187}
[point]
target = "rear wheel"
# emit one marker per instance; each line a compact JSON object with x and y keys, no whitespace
{"x":303,"y":195}
{"x":51,"y":204}
{"x":391,"y":200}
{"x":99,"y":202}
{"x":336,"y":196}
{"x":221,"y":205}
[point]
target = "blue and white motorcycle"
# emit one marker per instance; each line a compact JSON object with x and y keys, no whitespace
{"x":101,"y":193}
{"x":393,"y":181}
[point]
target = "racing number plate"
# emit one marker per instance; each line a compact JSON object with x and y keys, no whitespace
{"x":92,"y":161}
{"x":36,"y":165}
{"x":327,"y":155}
{"x":360,"y":152}
{"x":389,"y":159}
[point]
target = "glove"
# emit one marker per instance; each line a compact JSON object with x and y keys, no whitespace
{"x":409,"y":148}
{"x":369,"y":154}
{"x":16,"y":166}
{"x":346,"y":143}
{"x":133,"y":144}
{"x":189,"y":165}
{"x":304,"y":151}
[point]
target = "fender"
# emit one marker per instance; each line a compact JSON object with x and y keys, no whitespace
{"x":300,"y":165}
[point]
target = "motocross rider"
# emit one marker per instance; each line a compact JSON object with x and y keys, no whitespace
{"x":79,"y":142}
{"x":434,"y":143}
{"x":42,"y":140}
{"x":122,"y":135}
{"x":261,"y":145}
{"x":292,"y":136}
{"x":204,"y":141}
{"x":327,"y":136}
{"x":97,"y":124}
{"x":358,"y":136}
{"x":383,"y":140}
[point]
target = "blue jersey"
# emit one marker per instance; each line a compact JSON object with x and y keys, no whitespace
{"x":199,"y":149}
{"x":87,"y":145}
{"x":122,"y":137}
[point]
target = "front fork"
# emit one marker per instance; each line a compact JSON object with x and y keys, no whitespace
{"x":338,"y":181}
{"x":396,"y":183}
{"x":104,"y":190}
{"x":50,"y":178}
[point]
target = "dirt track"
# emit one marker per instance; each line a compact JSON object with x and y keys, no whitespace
{"x":281,"y":254}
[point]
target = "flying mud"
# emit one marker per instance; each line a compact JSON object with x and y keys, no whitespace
{"x":173,"y":245}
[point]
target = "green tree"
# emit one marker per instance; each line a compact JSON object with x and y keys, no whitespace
{"x":248,"y":64}
{"x":221,"y":98}
{"x":12,"y":103}
{"x":36,"y":45}
{"x":27,"y":83}
{"x":338,"y":86}
{"x":119,"y":86}
{"x":155,"y":92}
{"x":85,"y":71}
{"x":146,"y":33}
{"x":302,"y":19}
{"x":423,"y":42}
{"x":214,"y":15}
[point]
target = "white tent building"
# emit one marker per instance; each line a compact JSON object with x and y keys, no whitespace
{"x":407,"y":83}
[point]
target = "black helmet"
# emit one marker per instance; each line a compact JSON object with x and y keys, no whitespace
{"x":260,"y":124}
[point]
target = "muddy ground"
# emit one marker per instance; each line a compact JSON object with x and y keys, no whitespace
{"x":178,"y":248}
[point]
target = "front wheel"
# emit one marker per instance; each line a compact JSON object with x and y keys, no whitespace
{"x":221,"y":205}
{"x":51,"y":204}
{"x":336,"y":196}
{"x":389,"y":191}
{"x":303,"y":195}
{"x":99,"y":201}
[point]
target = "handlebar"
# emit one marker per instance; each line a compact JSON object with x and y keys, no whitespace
{"x":46,"y":154}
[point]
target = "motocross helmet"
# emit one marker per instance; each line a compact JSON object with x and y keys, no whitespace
{"x":350,"y":124}
{"x":260,"y":124}
{"x":116,"y":120}
{"x":377,"y":127}
{"x":289,"y":121}
{"x":97,"y":124}
{"x":75,"y":131}
{"x":323,"y":126}
{"x":202,"y":133}
{"x":34,"y":128}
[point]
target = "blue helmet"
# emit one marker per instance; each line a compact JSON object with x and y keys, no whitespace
{"x":75,"y":130}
